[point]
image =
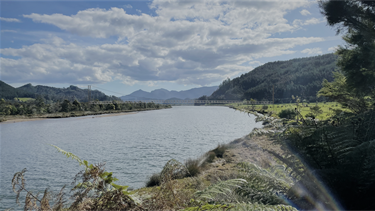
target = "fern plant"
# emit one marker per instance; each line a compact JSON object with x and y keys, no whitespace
{"x":340,"y":154}
{"x":94,"y":190}
{"x":262,"y":186}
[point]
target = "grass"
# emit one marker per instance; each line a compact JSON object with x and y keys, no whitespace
{"x":23,"y":99}
{"x":327,"y":108}
{"x":193,"y":167}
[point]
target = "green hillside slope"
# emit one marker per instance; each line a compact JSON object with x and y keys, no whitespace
{"x":52,"y":93}
{"x":69,"y":93}
{"x":7,"y":91}
{"x":299,"y":77}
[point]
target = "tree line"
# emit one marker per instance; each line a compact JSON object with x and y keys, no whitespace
{"x":41,"y":106}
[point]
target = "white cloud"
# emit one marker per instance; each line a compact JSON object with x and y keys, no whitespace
{"x":305,"y":12}
{"x":10,"y":19}
{"x":312,"y":51}
{"x":333,"y":49}
{"x":6,"y":30}
{"x":128,"y":6}
{"x":187,"y":42}
{"x":312,"y":21}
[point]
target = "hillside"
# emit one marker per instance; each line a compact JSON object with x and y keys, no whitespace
{"x":163,"y":94}
{"x":51,"y":93}
{"x":7,"y":91}
{"x":299,"y":77}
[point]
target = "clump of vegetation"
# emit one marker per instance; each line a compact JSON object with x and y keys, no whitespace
{"x":288,"y":114}
{"x":193,"y":167}
{"x":94,"y":189}
{"x":2,"y":119}
{"x":316,"y":110}
{"x":210,"y":157}
{"x":220,"y":150}
{"x":154,"y":180}
{"x":310,"y":115}
{"x":170,"y":195}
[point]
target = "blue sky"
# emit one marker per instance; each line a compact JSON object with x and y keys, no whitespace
{"x":122,"y":46}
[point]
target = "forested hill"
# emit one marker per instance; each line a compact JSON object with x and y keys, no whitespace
{"x":52,"y":93}
{"x":299,"y":77}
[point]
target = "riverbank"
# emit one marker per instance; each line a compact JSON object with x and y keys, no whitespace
{"x":24,"y":118}
{"x":247,"y":164}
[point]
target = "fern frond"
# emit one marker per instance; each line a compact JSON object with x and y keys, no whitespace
{"x":262,"y":186}
{"x":70,"y":155}
{"x":262,"y":207}
{"x":222,"y":188}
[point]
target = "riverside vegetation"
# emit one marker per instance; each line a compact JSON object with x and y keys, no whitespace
{"x":42,"y":108}
{"x":323,"y":165}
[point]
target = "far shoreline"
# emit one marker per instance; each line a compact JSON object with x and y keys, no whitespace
{"x":87,"y":114}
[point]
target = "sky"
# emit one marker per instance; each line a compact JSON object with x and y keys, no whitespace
{"x":119,"y":47}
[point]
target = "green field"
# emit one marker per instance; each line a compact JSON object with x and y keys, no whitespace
{"x":328,"y":109}
{"x":23,"y":99}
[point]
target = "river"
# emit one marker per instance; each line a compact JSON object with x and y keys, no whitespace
{"x":133,"y":146}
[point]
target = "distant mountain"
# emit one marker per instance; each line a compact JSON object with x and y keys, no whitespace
{"x":7,"y":91}
{"x":52,"y":93}
{"x":299,"y":77}
{"x":163,"y":94}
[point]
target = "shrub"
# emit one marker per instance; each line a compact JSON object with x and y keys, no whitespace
{"x":265,"y":107}
{"x":210,"y":157}
{"x":288,"y":114}
{"x":220,"y":150}
{"x":311,"y":115}
{"x":266,"y":122}
{"x":316,"y":110}
{"x":154,"y":180}
{"x":193,"y":167}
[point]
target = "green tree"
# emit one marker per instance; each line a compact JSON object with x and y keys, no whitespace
{"x":110,"y":107}
{"x":77,"y":105}
{"x":39,"y":101}
{"x":66,"y":106}
{"x":253,"y":102}
{"x":316,"y":110}
{"x":288,"y":114}
{"x":356,"y":19}
{"x":339,"y":91}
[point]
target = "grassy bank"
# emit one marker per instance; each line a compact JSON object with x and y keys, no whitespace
{"x":327,"y":109}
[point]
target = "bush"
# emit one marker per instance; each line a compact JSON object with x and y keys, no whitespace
{"x":210,"y":157}
{"x":154,"y":180}
{"x":220,"y":150}
{"x":193,"y":167}
{"x":288,"y":114}
{"x":311,"y":115}
{"x":316,"y":110}
{"x":266,"y":122}
{"x":265,"y":107}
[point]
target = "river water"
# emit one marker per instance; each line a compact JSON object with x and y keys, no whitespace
{"x":133,"y":146}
